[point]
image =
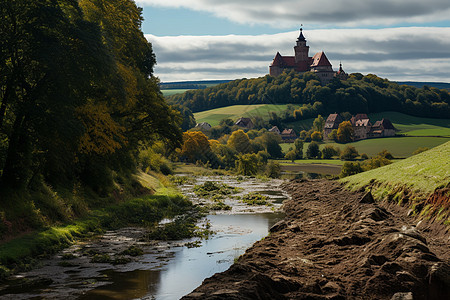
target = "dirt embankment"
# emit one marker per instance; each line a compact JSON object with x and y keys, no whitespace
{"x":334,"y":244}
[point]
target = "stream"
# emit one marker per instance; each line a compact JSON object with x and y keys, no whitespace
{"x":166,"y":270}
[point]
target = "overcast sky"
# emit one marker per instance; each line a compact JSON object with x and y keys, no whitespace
{"x":218,"y":39}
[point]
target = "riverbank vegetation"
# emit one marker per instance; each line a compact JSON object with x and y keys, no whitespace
{"x":80,"y":115}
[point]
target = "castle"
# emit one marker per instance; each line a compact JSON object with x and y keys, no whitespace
{"x":301,"y":62}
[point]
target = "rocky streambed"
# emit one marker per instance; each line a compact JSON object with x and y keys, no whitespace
{"x":334,"y":244}
{"x":126,"y":264}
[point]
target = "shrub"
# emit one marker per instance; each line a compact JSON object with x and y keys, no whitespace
{"x":316,"y":136}
{"x":384,"y":153}
{"x":273,"y":170}
{"x":350,"y":168}
{"x":313,"y":150}
{"x":349,"y":153}
{"x":329,"y":151}
{"x":247,"y":164}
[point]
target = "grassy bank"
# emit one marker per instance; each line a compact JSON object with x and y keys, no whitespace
{"x":22,"y":253}
{"x":422,"y":180}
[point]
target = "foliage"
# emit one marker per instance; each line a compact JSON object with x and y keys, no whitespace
{"x":385,"y":154}
{"x":196,"y":147}
{"x":247,"y":164}
{"x":240,"y":142}
{"x":211,"y":188}
{"x":78,"y":95}
{"x":333,"y":135}
{"x":182,"y":227}
{"x":144,"y":211}
{"x":349,"y":153}
{"x":350,"y":168}
{"x":318,"y":123}
{"x":316,"y":136}
{"x":255,"y":198}
{"x":358,"y":94}
{"x":345,"y":132}
{"x":329,"y":151}
{"x":273,"y":170}
{"x":375,"y":162}
{"x":271,"y":143}
{"x":313,"y":150}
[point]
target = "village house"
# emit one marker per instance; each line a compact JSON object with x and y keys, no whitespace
{"x":383,"y":128}
{"x":275,"y":129}
{"x":245,"y":123}
{"x":302,"y":62}
{"x":288,"y":135}
{"x":331,"y":123}
{"x":203,"y":126}
{"x":362,"y":127}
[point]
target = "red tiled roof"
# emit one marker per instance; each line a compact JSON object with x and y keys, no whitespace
{"x":320,"y":60}
{"x":289,"y":62}
{"x":362,"y":122}
{"x":288,"y":131}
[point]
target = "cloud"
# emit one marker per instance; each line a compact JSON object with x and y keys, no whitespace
{"x":412,"y":53}
{"x":288,"y":13}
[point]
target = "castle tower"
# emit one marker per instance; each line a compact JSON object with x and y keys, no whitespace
{"x":301,"y":50}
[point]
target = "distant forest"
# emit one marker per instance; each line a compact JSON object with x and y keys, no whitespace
{"x":358,"y":94}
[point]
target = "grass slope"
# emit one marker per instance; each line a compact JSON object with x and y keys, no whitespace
{"x":214,"y":116}
{"x":414,"y":178}
{"x":172,"y":92}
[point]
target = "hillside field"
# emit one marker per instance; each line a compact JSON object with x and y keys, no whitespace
{"x":399,"y":147}
{"x":234,"y":112}
{"x":412,"y":180}
{"x":171,"y":92}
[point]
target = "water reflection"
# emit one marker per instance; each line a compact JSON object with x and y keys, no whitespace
{"x":190,"y":266}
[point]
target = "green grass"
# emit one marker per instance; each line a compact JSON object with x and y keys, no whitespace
{"x":399,"y":147}
{"x":172,"y":92}
{"x":413,"y":178}
{"x":415,"y":126}
{"x":214,"y":116}
{"x":336,"y":162}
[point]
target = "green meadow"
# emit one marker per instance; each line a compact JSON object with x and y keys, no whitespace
{"x":234,"y":112}
{"x":171,"y":92}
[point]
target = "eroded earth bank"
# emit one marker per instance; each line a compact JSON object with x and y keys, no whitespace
{"x":334,"y":244}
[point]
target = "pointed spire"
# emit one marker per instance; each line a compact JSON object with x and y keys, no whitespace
{"x":301,"y":37}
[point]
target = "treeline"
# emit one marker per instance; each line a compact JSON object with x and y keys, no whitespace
{"x":358,"y":94}
{"x":78,"y":96}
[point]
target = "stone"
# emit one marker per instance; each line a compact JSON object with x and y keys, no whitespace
{"x":403,"y":296}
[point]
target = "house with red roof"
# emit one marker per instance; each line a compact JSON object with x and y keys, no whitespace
{"x":302,"y":62}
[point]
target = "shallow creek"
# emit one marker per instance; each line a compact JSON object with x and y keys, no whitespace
{"x":166,"y":270}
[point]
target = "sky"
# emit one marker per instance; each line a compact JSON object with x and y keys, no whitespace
{"x":402,"y":40}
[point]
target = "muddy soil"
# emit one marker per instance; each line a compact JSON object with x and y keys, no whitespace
{"x":334,"y":244}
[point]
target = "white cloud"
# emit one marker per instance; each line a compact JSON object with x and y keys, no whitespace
{"x":412,"y":53}
{"x":288,"y":13}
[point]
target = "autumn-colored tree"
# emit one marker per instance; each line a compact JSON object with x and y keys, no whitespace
{"x":349,"y":153}
{"x":247,"y":164}
{"x":345,"y":132}
{"x":318,"y":123}
{"x":316,"y":136}
{"x":195,"y":146}
{"x":240,"y":142}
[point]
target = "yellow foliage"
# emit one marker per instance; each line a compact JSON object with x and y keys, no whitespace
{"x":195,"y":145}
{"x":103,"y":135}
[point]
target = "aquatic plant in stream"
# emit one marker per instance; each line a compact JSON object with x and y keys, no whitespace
{"x":255,"y":198}
{"x":212,"y":188}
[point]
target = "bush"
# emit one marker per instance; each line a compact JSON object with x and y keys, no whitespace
{"x":329,"y":151}
{"x":291,"y":155}
{"x":313,"y":150}
{"x":384,"y":153}
{"x":350,"y":168}
{"x":316,"y":136}
{"x":247,"y":164}
{"x":364,"y":156}
{"x":349,"y":153}
{"x":375,"y":162}
{"x":273,"y":170}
